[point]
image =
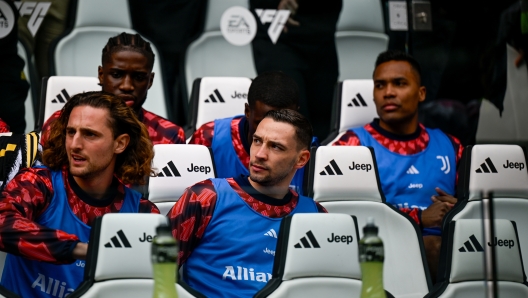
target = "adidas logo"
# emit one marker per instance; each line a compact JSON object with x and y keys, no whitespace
{"x":471,"y":248}
{"x":60,"y":99}
{"x":116,"y":242}
{"x":212,"y":97}
{"x":484,"y":167}
{"x":170,"y":171}
{"x":412,"y":170}
{"x":355,"y":102}
{"x":305,"y":243}
{"x":328,"y":169}
{"x":271,"y":233}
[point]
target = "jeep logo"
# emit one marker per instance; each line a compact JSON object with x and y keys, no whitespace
{"x":203,"y":169}
{"x":341,"y":238}
{"x":513,"y":165}
{"x":363,"y":166}
{"x":505,"y":243}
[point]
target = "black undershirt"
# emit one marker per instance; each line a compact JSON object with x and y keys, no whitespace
{"x":106,"y":200}
{"x":375,"y":124}
{"x":243,"y":182}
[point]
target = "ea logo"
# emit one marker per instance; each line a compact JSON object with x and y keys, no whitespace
{"x":7,"y":19}
{"x":238,"y":26}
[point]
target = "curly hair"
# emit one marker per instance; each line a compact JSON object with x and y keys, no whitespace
{"x":133,"y":164}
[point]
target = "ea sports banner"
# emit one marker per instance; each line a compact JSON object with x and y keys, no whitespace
{"x":239,"y":27}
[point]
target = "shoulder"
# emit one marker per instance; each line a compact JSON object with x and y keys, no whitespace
{"x":349,"y":138}
{"x":149,"y":117}
{"x":28,"y":178}
{"x":146,"y":206}
{"x":161,"y":130}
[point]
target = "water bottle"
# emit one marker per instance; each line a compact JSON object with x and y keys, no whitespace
{"x":164,"y":255}
{"x":371,"y":258}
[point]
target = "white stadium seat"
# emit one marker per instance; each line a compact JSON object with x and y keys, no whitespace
{"x":344,"y":179}
{"x":215,"y":98}
{"x":307,"y":264}
{"x":360,"y":37}
{"x":57,"y":90}
{"x":353,"y":106}
{"x":178,"y":166}
{"x":79,"y":52}
{"x":119,"y":257}
{"x":502,"y":170}
{"x":462,"y":261}
{"x":211,"y":55}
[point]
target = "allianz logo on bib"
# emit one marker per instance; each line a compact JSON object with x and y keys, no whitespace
{"x":243,"y":273}
{"x":51,"y":286}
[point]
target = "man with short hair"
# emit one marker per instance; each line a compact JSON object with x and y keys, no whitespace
{"x":417,"y":165}
{"x":126,"y":71}
{"x":222,"y":224}
{"x":230,"y":138}
{"x":95,"y":146}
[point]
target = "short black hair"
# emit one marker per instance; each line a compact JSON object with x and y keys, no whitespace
{"x":128,"y":42}
{"x":275,"y":89}
{"x":303,"y":128}
{"x":397,"y":55}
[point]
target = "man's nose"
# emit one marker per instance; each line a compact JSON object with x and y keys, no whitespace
{"x":126,"y":84}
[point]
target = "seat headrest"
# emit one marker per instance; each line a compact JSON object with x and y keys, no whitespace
{"x":178,"y":166}
{"x":467,"y":259}
{"x":361,"y":15}
{"x":123,"y":245}
{"x":317,"y":244}
{"x":346,"y":173}
{"x":221,"y":97}
{"x":105,"y":13}
{"x":357,"y":104}
{"x":497,"y":168}
{"x":60,"y":89}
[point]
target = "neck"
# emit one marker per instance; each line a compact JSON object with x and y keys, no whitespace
{"x":400,"y":128}
{"x":95,"y":187}
{"x":275,"y":191}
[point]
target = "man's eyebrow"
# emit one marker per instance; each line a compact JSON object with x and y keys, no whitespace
{"x":255,"y":136}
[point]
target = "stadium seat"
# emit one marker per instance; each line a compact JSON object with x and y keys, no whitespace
{"x":177,"y":167}
{"x":344,"y":179}
{"x":119,"y":257}
{"x":211,"y":55}
{"x":31,"y":78}
{"x":79,"y":52}
{"x":215,"y":98}
{"x":481,"y":170}
{"x":360,"y":37}
{"x":353,"y":106}
{"x":57,"y":90}
{"x":463,"y":258}
{"x":307,"y":264}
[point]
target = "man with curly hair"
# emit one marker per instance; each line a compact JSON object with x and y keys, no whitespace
{"x":95,"y":147}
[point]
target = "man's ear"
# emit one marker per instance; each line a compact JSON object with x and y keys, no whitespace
{"x":246,"y":110}
{"x":100,"y":75}
{"x":422,"y":93}
{"x":304,"y":157}
{"x":151,"y":79}
{"x":121,"y":143}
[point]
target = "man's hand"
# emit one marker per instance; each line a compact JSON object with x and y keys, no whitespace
{"x":292,"y":6}
{"x":80,"y":251}
{"x":442,"y":203}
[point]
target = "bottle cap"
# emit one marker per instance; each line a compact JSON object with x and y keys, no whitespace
{"x":163,"y":229}
{"x":370,"y":227}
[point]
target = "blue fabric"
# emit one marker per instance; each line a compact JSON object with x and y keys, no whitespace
{"x":235,"y":256}
{"x":40,"y":279}
{"x":409,"y":181}
{"x":226,"y":160}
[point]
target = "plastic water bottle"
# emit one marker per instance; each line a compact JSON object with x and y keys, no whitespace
{"x":164,"y":255}
{"x":371,"y":258}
